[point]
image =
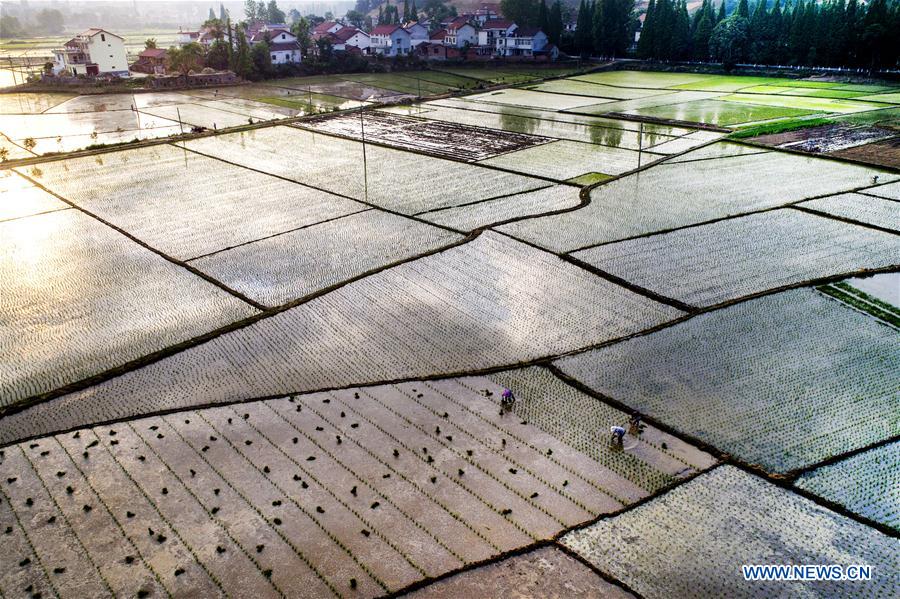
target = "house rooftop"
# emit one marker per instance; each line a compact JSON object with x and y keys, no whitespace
{"x":386,"y":29}
{"x":527,"y":31}
{"x":438,"y":35}
{"x":95,"y":30}
{"x":497,"y":24}
{"x":152,"y":53}
{"x":347,"y":32}
{"x":322,"y":28}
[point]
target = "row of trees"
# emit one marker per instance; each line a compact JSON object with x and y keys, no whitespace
{"x":831,"y":33}
{"x":46,"y":21}
{"x":605,"y":27}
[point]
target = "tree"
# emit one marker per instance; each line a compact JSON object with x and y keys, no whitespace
{"x":413,"y":12}
{"x":555,"y":25}
{"x":229,"y":31}
{"x":223,"y":16}
{"x":10,"y":26}
{"x":262,"y":60}
{"x":50,"y":21}
{"x":218,"y":56}
{"x":522,"y":12}
{"x":325,"y":48}
{"x":611,"y":27}
{"x":646,"y":43}
{"x":274,"y":14}
{"x":405,"y":11}
{"x":355,"y":18}
{"x":301,"y":29}
{"x":215,"y":27}
{"x":728,"y":40}
{"x":583,"y":33}
{"x":185,"y":59}
{"x":251,"y":10}
{"x":243,"y":65}
{"x":543,"y":17}
{"x":212,"y":14}
{"x":721,"y":16}
{"x":701,"y":38}
{"x":150,"y":43}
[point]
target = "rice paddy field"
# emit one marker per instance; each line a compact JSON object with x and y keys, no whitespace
{"x":274,"y":358}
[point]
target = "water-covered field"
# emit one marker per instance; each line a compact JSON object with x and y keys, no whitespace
{"x":271,"y":361}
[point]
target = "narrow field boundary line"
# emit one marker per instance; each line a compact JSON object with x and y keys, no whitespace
{"x":15,"y":218}
{"x":844,"y":219}
{"x":321,"y":189}
{"x":191,"y":269}
{"x":43,"y":566}
{"x":783,"y":481}
{"x":737,"y":215}
{"x":878,"y":197}
{"x":793,"y":475}
{"x":476,"y":202}
{"x":118,"y":523}
{"x":217,"y":520}
{"x":708,"y":158}
{"x":597,"y":571}
{"x":278,"y":234}
{"x":84,"y":551}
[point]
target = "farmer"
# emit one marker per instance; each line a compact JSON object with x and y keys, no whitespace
{"x":617,"y":434}
{"x":635,"y":426}
{"x":507,"y":399}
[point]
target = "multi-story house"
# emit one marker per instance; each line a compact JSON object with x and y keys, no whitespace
{"x":390,"y":40}
{"x":93,"y":52}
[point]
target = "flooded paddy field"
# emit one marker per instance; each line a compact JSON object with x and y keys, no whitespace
{"x":273,"y":361}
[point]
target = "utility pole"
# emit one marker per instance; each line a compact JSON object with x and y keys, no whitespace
{"x":640,"y":143}
{"x":309,"y":97}
{"x":362,"y":129}
{"x":178,"y":112}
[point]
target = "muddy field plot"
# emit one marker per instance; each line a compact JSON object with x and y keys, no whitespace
{"x":784,"y":381}
{"x":711,"y":264}
{"x":694,"y":540}
{"x":529,"y":99}
{"x":19,"y":197}
{"x":489,"y":302}
{"x":283,"y":267}
{"x":860,"y":208}
{"x":212,"y":116}
{"x":826,"y":138}
{"x":403,"y":181}
{"x":882,"y":153}
{"x":691,"y":191}
{"x":350,"y":493}
{"x":545,"y":572}
{"x":605,"y":134}
{"x":25,"y":103}
{"x":448,"y":140}
{"x":716,"y":112}
{"x":867,"y":484}
{"x":142,"y":192}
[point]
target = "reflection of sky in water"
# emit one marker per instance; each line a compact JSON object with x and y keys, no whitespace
{"x":885,"y":287}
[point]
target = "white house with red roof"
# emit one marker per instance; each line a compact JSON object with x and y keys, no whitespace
{"x":93,"y":52}
{"x":460,"y":32}
{"x":323,"y":29}
{"x":486,"y":12}
{"x":390,"y":40}
{"x":346,"y":38}
{"x":283,"y":45}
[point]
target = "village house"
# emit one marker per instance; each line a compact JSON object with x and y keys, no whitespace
{"x":436,"y":50}
{"x":283,"y":45}
{"x":486,"y":12}
{"x":350,"y":39}
{"x":93,"y":52}
{"x":390,"y":40}
{"x":151,"y":61}
{"x":323,"y":29}
{"x":418,"y":32}
{"x":525,"y":41}
{"x":460,"y":32}
{"x":494,"y":29}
